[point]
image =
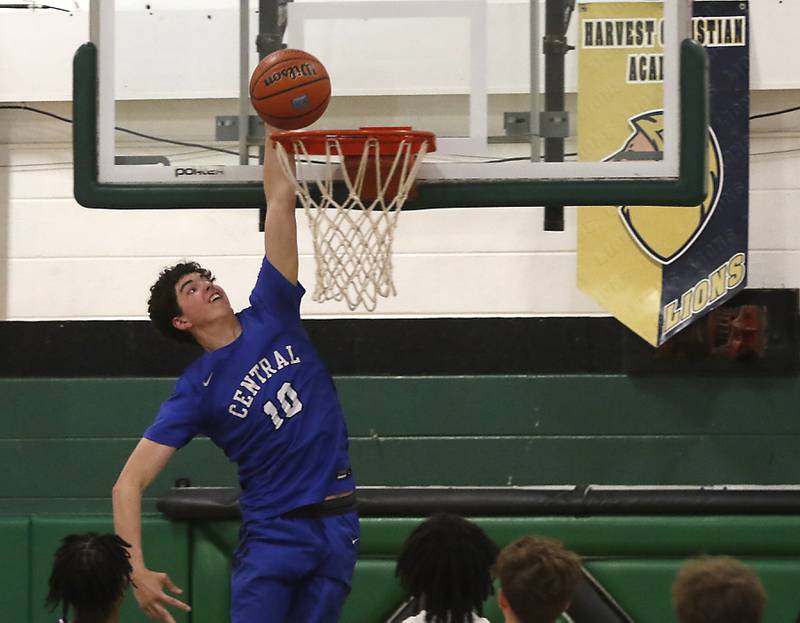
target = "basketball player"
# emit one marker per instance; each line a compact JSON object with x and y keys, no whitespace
{"x":263,"y":395}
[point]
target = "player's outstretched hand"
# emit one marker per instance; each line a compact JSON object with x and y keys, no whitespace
{"x":148,"y":588}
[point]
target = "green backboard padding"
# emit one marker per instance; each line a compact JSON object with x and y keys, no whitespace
{"x":166,"y":548}
{"x":15,"y":570}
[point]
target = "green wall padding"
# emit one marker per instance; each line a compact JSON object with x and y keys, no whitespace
{"x":642,"y":587}
{"x":664,"y":536}
{"x":15,"y":570}
{"x":210,"y":580}
{"x":635,"y":558}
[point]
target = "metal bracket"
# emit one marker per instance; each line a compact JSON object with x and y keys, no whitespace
{"x":226,"y":128}
{"x":517,"y":123}
{"x":556,"y":44}
{"x":554,"y":124}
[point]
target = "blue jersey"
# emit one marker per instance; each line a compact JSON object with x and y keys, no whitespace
{"x":269,"y":402}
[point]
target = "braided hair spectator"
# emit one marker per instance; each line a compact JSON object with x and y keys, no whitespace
{"x":445,"y":565}
{"x":90,"y":574}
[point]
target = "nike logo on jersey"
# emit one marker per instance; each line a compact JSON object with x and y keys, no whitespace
{"x":208,"y":380}
{"x":356,"y":540}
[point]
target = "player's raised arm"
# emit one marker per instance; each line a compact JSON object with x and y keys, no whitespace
{"x":144,"y":464}
{"x":280,"y":227}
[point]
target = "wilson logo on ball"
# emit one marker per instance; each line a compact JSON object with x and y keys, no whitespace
{"x":292,"y":73}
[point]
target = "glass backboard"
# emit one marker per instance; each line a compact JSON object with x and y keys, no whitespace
{"x":483,"y":75}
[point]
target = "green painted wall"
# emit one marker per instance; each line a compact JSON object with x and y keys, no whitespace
{"x":63,"y":441}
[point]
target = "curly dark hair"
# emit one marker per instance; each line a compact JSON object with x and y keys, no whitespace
{"x":717,"y":589}
{"x":90,"y":573}
{"x":538,"y":576}
{"x":162,"y":306}
{"x":445,"y":564}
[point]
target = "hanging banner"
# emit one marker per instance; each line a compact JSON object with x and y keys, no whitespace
{"x":656,"y":269}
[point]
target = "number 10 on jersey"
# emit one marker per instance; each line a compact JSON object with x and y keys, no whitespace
{"x":289,"y":402}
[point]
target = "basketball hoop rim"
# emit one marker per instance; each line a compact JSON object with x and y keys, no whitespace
{"x":352,"y":142}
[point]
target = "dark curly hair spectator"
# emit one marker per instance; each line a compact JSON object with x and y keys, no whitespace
{"x":718,"y":589}
{"x":163,"y":306}
{"x":445,"y":564}
{"x":90,"y":574}
{"x":537,"y":577}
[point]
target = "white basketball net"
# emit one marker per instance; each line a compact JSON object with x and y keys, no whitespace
{"x":353,"y":235}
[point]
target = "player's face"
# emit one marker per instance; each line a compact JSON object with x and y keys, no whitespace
{"x":201,"y":300}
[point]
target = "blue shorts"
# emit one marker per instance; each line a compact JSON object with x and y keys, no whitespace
{"x":294,"y":570}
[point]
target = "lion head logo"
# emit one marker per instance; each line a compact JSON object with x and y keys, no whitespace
{"x":665,"y":232}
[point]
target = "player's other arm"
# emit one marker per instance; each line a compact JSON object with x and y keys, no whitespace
{"x":280,"y":227}
{"x":144,"y":464}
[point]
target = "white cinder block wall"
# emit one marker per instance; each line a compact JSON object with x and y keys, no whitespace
{"x":61,"y":261}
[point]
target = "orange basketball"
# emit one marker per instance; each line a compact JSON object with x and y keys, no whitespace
{"x":290,"y":89}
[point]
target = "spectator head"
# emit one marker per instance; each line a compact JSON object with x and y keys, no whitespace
{"x":717,"y":589}
{"x":537,"y":579}
{"x":445,"y":564}
{"x":90,"y":574}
